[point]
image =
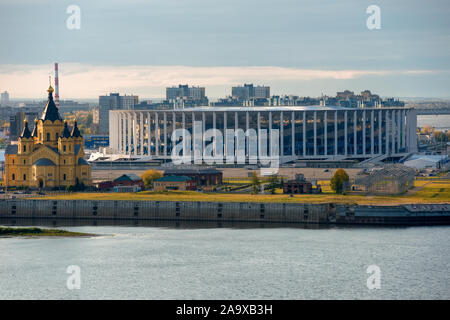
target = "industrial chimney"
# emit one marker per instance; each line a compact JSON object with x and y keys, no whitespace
{"x":56,"y":85}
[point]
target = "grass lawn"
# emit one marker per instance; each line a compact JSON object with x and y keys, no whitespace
{"x":38,"y":232}
{"x":431,"y":193}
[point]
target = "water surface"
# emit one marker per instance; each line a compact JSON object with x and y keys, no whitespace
{"x":171,"y":262}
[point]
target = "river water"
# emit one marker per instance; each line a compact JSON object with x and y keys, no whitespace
{"x":173,"y":262}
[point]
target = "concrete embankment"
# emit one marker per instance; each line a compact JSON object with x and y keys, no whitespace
{"x":167,"y":210}
{"x":285,"y":213}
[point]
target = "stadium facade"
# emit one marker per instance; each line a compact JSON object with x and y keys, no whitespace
{"x":309,"y":132}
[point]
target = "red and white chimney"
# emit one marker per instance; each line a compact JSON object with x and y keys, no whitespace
{"x":56,"y":85}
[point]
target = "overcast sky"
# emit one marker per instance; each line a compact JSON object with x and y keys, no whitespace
{"x":297,"y":47}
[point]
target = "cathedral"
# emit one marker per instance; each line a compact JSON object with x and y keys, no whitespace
{"x":52,"y":156}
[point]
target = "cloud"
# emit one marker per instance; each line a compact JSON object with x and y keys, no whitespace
{"x":89,"y":81}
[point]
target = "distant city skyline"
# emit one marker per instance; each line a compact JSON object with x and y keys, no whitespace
{"x":295,"y":47}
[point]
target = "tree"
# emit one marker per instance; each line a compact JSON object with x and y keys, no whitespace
{"x":439,"y":136}
{"x":149,"y":176}
{"x":427,"y":130}
{"x":339,"y":182}
{"x":273,"y":183}
{"x":256,"y":183}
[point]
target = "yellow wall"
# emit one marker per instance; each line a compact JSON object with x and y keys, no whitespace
{"x":66,"y":162}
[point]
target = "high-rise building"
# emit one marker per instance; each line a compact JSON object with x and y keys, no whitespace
{"x":113,"y":102}
{"x":16,"y":123}
{"x":4,"y":98}
{"x":185,"y":92}
{"x":187,"y":96}
{"x":248,"y":91}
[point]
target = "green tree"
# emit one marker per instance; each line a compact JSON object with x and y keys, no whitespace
{"x":339,"y":182}
{"x":273,"y":183}
{"x":149,"y":176}
{"x":256,"y":183}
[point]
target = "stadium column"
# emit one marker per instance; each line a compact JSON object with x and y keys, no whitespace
{"x":149,"y":135}
{"x":183,"y":120}
{"x":380,"y":137}
{"x":355,"y":141}
{"x":315,"y":132}
{"x":119,"y":141}
{"x":325,"y":132}
{"x":404,"y":129}
{"x":393,"y":130}
{"x":388,"y":150}
{"x":174,"y":127}
{"x":119,"y":133}
{"x":372,"y":147}
{"x":203,"y":128}
{"x":259,"y":135}
{"x":293,"y":132}
{"x":335,"y":133}
{"x":247,"y":138}
{"x":281,"y":134}
{"x":133,"y":133}
{"x":399,"y":128}
{"x":214,"y":129}
{"x":141,"y":132}
{"x":129,"y":133}
{"x":224,"y":132}
{"x":124,"y":133}
{"x":269,"y":152}
{"x":156,"y":134}
{"x":345,"y":132}
{"x":364,"y":131}
{"x":304,"y":133}
{"x":165,"y":134}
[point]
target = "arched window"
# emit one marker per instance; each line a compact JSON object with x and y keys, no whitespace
{"x":56,"y":135}
{"x":64,"y":148}
{"x":24,"y":148}
{"x":24,"y":177}
{"x":64,"y":177}
{"x":48,"y":136}
{"x":13,"y":176}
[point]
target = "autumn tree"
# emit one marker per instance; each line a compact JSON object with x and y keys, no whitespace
{"x":340,"y":180}
{"x":256,"y":183}
{"x":149,"y":176}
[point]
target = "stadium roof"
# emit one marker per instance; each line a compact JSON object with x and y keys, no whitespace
{"x":262,"y":109}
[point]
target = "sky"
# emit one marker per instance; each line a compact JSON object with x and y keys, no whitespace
{"x":301,"y":47}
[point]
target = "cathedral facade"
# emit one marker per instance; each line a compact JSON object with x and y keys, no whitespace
{"x":52,"y":156}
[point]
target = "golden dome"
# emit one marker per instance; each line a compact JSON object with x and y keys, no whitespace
{"x":50,"y":89}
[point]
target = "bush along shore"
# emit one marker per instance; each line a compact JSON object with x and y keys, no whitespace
{"x":38,"y":232}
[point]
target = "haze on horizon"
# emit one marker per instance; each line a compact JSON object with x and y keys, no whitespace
{"x":304,"y":48}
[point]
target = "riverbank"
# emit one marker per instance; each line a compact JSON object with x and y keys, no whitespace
{"x":437,"y":193}
{"x":39,"y":232}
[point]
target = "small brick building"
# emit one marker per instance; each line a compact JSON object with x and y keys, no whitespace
{"x":174,"y":183}
{"x":124,"y":180}
{"x":201,"y":176}
{"x":298,"y":185}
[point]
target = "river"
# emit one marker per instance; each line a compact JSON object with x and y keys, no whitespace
{"x":173,"y":262}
